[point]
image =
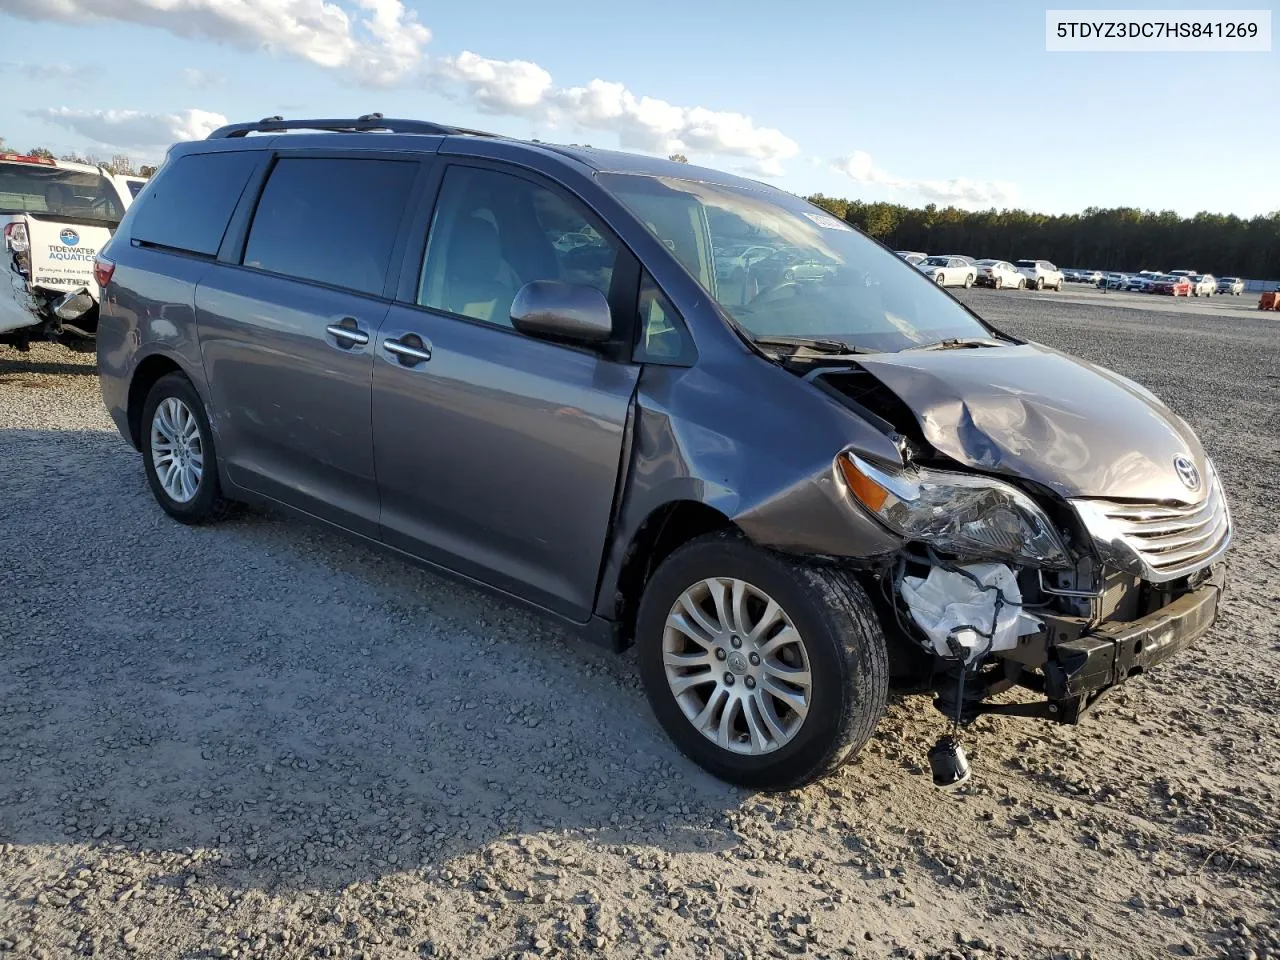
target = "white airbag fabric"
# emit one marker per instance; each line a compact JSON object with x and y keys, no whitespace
{"x":946,"y":603}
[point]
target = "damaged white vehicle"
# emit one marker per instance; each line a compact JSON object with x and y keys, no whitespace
{"x":56,"y":216}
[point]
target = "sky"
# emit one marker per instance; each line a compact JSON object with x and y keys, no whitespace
{"x":911,"y":103}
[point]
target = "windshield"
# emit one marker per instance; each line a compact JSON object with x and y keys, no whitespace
{"x":822,"y":279}
{"x":74,"y":194}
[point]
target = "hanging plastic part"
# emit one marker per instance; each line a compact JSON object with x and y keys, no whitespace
{"x":948,"y":762}
{"x":969,"y":611}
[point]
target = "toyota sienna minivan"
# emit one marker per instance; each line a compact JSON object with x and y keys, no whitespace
{"x":516,"y":363}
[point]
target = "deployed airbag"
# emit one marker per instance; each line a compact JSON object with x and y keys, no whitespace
{"x":962,"y":614}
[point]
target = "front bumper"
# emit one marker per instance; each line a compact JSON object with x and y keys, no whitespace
{"x":1079,"y":671}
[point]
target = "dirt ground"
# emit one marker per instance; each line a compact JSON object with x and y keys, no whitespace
{"x":260,"y":740}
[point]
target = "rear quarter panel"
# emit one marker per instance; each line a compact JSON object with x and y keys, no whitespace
{"x":149,"y":309}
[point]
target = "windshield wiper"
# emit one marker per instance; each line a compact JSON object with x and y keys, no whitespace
{"x":820,"y":344}
{"x":958,"y":343}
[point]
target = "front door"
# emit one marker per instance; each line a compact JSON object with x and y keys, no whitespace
{"x":287,"y":336}
{"x":498,"y":455}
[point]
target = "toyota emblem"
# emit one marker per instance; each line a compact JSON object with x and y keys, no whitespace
{"x":1187,"y":472}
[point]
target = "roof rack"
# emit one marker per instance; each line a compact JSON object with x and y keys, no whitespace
{"x":368,"y":122}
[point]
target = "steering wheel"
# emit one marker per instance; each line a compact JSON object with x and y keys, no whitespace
{"x":770,"y":294}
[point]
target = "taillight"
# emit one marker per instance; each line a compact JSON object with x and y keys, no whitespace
{"x":15,"y":236}
{"x":102,"y":271}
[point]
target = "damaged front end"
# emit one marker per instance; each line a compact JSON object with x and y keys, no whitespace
{"x":1006,"y":586}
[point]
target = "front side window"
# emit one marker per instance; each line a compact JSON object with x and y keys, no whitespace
{"x":492,"y":233}
{"x":331,"y":220}
{"x":820,"y":278}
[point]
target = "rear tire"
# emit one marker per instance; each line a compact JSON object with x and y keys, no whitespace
{"x":1039,"y":283}
{"x":968,"y":280}
{"x":178,"y":452}
{"x":832,"y":636}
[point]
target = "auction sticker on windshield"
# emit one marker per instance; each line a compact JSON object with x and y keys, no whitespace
{"x":827,"y":222}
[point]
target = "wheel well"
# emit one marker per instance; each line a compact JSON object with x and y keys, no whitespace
{"x":663,"y":531}
{"x":144,"y":378}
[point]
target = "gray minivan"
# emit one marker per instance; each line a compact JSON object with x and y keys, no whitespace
{"x":514,"y":362}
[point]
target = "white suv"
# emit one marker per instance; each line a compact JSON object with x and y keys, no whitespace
{"x":1040,"y":274}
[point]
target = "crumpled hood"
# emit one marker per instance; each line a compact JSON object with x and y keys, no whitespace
{"x":1032,"y":412}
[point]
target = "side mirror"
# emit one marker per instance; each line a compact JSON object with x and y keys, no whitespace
{"x":562,"y":311}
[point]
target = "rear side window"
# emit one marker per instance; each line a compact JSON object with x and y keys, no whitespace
{"x":331,"y":220}
{"x":191,"y":201}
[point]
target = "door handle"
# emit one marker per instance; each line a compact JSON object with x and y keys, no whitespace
{"x":410,"y":350}
{"x":351,"y":334}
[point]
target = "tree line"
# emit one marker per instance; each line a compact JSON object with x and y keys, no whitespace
{"x":1121,"y":238}
{"x":121,"y":163}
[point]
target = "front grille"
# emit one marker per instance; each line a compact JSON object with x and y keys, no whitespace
{"x":1160,"y":541}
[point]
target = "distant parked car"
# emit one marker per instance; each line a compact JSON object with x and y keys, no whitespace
{"x":1203,"y":284}
{"x":1180,"y":273}
{"x":999,"y":274}
{"x":1136,"y":283}
{"x":1233,"y":286}
{"x":1173,"y":285}
{"x":736,"y":258}
{"x":1040,"y":274}
{"x":912,"y":257}
{"x":949,"y":271}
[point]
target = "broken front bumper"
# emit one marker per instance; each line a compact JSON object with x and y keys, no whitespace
{"x":1079,"y":671}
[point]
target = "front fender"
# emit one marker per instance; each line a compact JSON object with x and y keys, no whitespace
{"x":764,"y":459}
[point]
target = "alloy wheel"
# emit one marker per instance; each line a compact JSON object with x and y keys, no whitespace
{"x":737,"y":666}
{"x":177,"y":451}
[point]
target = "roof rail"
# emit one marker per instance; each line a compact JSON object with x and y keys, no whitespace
{"x":369,"y":122}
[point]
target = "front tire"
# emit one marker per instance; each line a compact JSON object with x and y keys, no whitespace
{"x":968,"y":280}
{"x":766,"y":672}
{"x":1039,"y":283}
{"x":178,"y":452}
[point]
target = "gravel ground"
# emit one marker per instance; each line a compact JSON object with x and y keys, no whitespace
{"x":259,"y":740}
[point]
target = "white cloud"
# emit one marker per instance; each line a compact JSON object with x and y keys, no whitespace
{"x":133,"y":129}
{"x":202,"y":79}
{"x":969,"y":193}
{"x":46,"y":72}
{"x":524,"y":89}
{"x":646,"y":123}
{"x":498,"y":86}
{"x":862,"y":168}
{"x":960,"y":191}
{"x":381,"y":43}
{"x":378,"y":42}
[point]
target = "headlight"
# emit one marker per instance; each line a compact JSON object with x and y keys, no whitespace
{"x":957,"y":513}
